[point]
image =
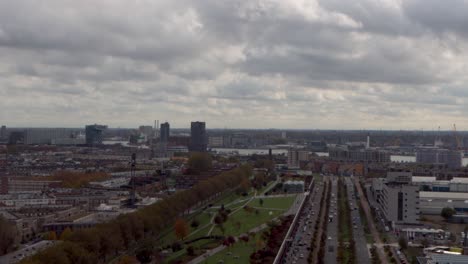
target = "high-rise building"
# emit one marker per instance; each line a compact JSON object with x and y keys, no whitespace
{"x":296,"y":156}
{"x":165,"y":132}
{"x":198,"y":138}
{"x":94,"y":134}
{"x":398,"y":197}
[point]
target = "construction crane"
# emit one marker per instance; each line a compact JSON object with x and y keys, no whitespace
{"x":457,"y":137}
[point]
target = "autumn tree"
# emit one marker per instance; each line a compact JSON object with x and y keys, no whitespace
{"x":181,"y":228}
{"x":104,"y":241}
{"x":128,"y":260}
{"x":66,"y":234}
{"x":72,"y":179}
{"x":52,"y":235}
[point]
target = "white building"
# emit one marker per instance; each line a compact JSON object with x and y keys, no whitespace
{"x":18,"y":201}
{"x":113,"y":182}
{"x":434,"y":195}
{"x":400,"y":203}
{"x":434,"y":202}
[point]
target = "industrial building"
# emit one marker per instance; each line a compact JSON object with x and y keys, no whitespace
{"x":367,"y":155}
{"x":41,"y":136}
{"x":451,"y":158}
{"x":434,"y":194}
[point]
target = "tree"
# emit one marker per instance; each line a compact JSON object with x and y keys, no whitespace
{"x":52,"y":235}
{"x":191,"y":251}
{"x":403,"y":243}
{"x":425,"y":243}
{"x":199,"y":162}
{"x":195,"y":223}
{"x":66,"y":234}
{"x":181,"y":228}
{"x":144,"y":255}
{"x":108,"y":239}
{"x":7,"y":236}
{"x":128,"y":260}
{"x":447,"y":212}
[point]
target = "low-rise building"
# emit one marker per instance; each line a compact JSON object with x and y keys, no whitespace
{"x":293,"y":186}
{"x":17,"y":201}
{"x":444,"y":259}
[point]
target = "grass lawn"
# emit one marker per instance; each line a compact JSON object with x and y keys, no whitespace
{"x":264,"y":188}
{"x":318,"y":178}
{"x":240,"y":249}
{"x":200,"y":232}
{"x":274,"y":202}
{"x":412,"y":252}
{"x":246,"y":220}
{"x":228,"y":199}
{"x":204,"y":218}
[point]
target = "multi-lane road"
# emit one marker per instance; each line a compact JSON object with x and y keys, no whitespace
{"x":298,"y":249}
{"x":332,"y":228}
{"x":362,"y":252}
{"x":298,"y":246}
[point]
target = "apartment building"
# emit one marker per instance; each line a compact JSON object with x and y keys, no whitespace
{"x":295,"y":156}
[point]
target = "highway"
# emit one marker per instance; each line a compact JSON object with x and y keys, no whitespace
{"x":362,"y":252}
{"x":332,"y":229}
{"x":299,"y":247}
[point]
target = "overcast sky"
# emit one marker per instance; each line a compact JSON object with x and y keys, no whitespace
{"x":236,"y":64}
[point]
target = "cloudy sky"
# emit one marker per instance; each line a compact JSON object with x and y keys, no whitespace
{"x":383,"y":64}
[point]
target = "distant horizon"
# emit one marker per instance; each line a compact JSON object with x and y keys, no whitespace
{"x":258,"y":129}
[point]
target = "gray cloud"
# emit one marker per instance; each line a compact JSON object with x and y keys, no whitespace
{"x":292,"y":64}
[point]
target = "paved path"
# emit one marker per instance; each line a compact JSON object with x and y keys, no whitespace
{"x":370,"y":221}
{"x":220,"y":248}
{"x":212,"y":219}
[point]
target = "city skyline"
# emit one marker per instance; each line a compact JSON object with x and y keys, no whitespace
{"x":248,"y":64}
